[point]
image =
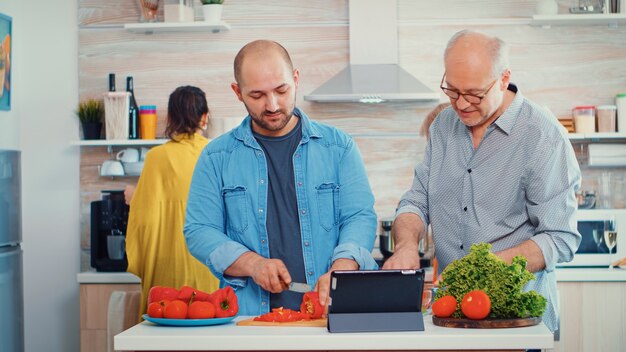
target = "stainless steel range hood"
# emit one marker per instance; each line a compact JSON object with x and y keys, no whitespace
{"x":373,"y":75}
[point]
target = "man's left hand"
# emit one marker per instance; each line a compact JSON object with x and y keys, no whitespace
{"x":323,"y":283}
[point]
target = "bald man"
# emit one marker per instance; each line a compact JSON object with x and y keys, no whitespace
{"x":497,"y":169}
{"x":281,"y":198}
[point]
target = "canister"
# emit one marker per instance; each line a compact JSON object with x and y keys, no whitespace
{"x":620,"y":102}
{"x":178,"y":11}
{"x":147,"y":121}
{"x":584,"y":119}
{"x":606,"y":118}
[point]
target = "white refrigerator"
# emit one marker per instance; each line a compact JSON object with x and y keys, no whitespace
{"x":11,"y":282}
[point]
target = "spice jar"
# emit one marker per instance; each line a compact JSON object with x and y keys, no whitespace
{"x":584,"y":119}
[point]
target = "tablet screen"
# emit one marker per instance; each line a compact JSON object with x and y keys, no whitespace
{"x":375,"y":291}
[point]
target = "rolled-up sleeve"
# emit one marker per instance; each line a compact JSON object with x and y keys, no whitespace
{"x":357,"y":217}
{"x":554,"y":179}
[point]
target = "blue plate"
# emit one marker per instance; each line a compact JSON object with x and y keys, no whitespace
{"x":188,"y":322}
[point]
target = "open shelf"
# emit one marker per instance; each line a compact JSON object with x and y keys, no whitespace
{"x":611,"y":20}
{"x":120,"y":142}
{"x":608,"y":136}
{"x":197,"y":26}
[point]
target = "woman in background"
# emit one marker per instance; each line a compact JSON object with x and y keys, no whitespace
{"x":155,"y":244}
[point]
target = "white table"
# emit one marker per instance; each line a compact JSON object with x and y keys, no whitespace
{"x":229,"y":337}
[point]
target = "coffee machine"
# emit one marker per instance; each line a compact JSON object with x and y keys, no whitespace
{"x":109,"y":217}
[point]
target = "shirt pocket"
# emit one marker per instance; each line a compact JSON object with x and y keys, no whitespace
{"x":236,"y":202}
{"x":327,"y":204}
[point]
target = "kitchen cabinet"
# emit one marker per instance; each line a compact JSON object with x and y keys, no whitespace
{"x":94,"y":304}
{"x":593,"y":316}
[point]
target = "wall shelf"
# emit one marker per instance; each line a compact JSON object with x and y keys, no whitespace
{"x":118,"y":142}
{"x":598,"y":136}
{"x":197,"y":26}
{"x":546,"y":21}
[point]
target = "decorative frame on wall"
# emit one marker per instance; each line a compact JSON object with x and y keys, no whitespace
{"x":5,"y":62}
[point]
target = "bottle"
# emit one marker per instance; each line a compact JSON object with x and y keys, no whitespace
{"x":111,"y":82}
{"x":133,"y":111}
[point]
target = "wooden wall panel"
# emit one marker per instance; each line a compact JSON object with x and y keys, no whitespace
{"x":560,"y":67}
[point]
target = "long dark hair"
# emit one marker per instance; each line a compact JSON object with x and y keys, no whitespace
{"x":185,"y":108}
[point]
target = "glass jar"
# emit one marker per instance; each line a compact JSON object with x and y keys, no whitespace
{"x":148,"y":10}
{"x":606,"y":118}
{"x":178,"y":11}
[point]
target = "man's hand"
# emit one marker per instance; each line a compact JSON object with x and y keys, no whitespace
{"x":406,"y":258}
{"x":271,"y":274}
{"x":323,"y":283}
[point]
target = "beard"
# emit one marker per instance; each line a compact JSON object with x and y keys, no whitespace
{"x":269,"y":123}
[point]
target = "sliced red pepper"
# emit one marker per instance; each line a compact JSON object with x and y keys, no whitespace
{"x":311,"y":306}
{"x":281,"y":315}
{"x":225,"y":302}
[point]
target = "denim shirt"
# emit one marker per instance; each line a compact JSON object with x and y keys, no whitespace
{"x":226,"y":208}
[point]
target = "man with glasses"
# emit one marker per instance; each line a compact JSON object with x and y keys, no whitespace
{"x":497,"y":169}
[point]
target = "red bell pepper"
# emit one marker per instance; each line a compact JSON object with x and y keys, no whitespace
{"x":186,"y":293}
{"x":225,"y":302}
{"x":282,"y":315}
{"x":159,"y":293}
{"x":311,"y":306}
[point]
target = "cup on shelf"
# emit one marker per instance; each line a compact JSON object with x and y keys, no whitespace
{"x":128,"y":155}
{"x":147,"y":121}
{"x":112,"y":168}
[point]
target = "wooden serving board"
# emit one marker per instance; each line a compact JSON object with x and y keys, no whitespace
{"x":303,"y":323}
{"x":486,"y":323}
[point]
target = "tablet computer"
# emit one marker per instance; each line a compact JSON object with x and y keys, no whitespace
{"x":376,"y":300}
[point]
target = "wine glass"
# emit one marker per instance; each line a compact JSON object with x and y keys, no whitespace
{"x":610,"y":237}
{"x":597,"y":238}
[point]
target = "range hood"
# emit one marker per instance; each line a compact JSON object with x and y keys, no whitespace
{"x":373,"y":75}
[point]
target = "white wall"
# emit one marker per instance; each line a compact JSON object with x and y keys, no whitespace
{"x":42,"y":124}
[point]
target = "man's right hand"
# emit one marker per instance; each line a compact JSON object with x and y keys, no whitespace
{"x":271,"y":274}
{"x":403,"y":259}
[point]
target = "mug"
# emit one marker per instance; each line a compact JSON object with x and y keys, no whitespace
{"x":116,"y":246}
{"x":144,"y":152}
{"x":128,"y":155}
{"x":112,"y":168}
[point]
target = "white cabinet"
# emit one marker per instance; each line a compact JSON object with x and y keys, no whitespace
{"x":546,"y":21}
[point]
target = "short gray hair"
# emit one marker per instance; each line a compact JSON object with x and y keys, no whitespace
{"x":496,"y":48}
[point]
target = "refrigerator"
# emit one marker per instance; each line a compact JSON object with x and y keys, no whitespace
{"x":11,"y":271}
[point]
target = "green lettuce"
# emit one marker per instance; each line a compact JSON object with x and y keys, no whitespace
{"x":503,"y":283}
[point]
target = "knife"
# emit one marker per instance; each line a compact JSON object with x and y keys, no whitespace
{"x":299,"y":287}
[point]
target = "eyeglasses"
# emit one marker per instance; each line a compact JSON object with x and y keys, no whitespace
{"x":470,"y":98}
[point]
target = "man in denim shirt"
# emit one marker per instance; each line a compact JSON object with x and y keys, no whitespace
{"x":497,"y":169}
{"x":280,"y":198}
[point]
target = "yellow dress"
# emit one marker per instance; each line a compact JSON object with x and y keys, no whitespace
{"x":155,"y":243}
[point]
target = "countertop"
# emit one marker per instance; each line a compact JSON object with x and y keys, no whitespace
{"x":562,"y":275}
{"x":147,"y":336}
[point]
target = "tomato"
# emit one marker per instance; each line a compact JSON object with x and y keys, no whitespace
{"x":177,"y":309}
{"x":476,"y":305}
{"x":156,"y":309}
{"x":311,"y":305}
{"x":444,"y":306}
{"x":201,"y":310}
{"x":158,"y":293}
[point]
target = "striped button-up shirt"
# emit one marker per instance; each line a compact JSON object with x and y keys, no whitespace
{"x":518,"y":184}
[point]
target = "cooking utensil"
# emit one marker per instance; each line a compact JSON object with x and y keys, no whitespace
{"x":299,"y":287}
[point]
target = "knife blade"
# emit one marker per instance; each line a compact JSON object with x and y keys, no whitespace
{"x":299,"y":287}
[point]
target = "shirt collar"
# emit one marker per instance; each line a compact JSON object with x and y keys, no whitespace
{"x":506,"y":121}
{"x":244,"y":131}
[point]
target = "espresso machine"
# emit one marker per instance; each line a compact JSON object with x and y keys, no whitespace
{"x":109,"y":217}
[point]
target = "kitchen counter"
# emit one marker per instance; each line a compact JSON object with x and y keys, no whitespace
{"x":229,"y":337}
{"x":98,"y":277}
{"x":562,"y":275}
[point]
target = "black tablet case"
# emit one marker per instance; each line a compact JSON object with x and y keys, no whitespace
{"x":376,"y":300}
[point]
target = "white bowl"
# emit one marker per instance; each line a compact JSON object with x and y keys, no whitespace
{"x":133,"y":169}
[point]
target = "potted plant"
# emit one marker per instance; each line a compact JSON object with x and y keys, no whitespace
{"x":90,"y":113}
{"x":212,"y":10}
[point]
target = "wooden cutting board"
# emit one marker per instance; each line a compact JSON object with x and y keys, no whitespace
{"x":486,"y":323}
{"x":306,"y":323}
